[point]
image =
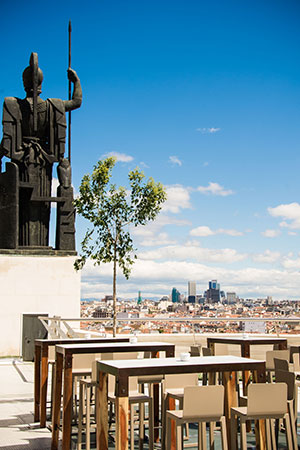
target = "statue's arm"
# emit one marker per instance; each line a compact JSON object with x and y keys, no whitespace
{"x":77,"y":92}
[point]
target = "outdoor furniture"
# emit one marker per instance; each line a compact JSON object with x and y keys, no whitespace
{"x":63,"y":369}
{"x":44,"y":347}
{"x":173,"y":389}
{"x":202,"y":404}
{"x":195,"y":350}
{"x":122,"y":370}
{"x":279,"y":354}
{"x":265,"y":401}
{"x":245,"y":342}
{"x":283,"y":376}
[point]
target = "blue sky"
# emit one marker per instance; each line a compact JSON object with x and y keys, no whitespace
{"x":205,"y":97}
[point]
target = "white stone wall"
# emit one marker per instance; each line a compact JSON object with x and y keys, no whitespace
{"x":34,"y":284}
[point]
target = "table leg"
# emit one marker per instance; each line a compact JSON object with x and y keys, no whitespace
{"x":37,"y":382}
{"x":170,"y":406}
{"x":44,"y":384}
{"x":212,"y":375}
{"x":57,"y":400}
{"x":101,"y":412}
{"x":155,"y":404}
{"x":230,"y":400}
{"x":67,"y":403}
{"x":122,"y":409}
{"x":245,"y":353}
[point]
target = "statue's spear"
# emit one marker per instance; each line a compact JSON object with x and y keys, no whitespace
{"x":69,"y":128}
{"x":34,"y":67}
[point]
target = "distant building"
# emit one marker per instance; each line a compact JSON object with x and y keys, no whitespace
{"x":192,"y":299}
{"x":213,"y":292}
{"x":192,"y":288}
{"x":231,"y":298}
{"x":175,"y":295}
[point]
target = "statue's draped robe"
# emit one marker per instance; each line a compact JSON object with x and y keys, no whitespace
{"x":34,"y":154}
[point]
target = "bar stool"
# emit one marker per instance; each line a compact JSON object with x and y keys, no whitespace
{"x":201,"y":404}
{"x":265,"y":401}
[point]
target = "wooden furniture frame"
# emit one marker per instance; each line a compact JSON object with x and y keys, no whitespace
{"x":63,"y":370}
{"x":41,"y":354}
{"x":122,"y":370}
{"x":245,"y":344}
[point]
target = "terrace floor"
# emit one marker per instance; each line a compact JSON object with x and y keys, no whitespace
{"x":17,"y":429}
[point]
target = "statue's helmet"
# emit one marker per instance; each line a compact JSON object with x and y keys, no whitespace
{"x":31,"y":73}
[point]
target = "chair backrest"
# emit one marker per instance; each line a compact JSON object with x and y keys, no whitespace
{"x":279,"y":354}
{"x":296,"y":362}
{"x":195,"y":350}
{"x":281,"y":364}
{"x":203,"y":401}
{"x":267,"y":399}
{"x":103,"y":356}
{"x":84,"y":361}
{"x":180,"y":380}
{"x":293,"y":349}
{"x":283,"y":376}
{"x":126,"y":355}
{"x":206,"y":351}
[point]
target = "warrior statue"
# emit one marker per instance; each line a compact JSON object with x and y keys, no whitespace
{"x":34,"y":135}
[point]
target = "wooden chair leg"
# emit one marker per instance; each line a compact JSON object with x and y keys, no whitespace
{"x":268,"y":434}
{"x":88,"y":418}
{"x":211,"y":436}
{"x":243,"y":435}
{"x":292,"y":422}
{"x":233,"y":431}
{"x":288,"y":434}
{"x":273,"y":434}
{"x":179,"y":437}
{"x":141,"y":425}
{"x":151,"y":423}
{"x":80,"y":416}
{"x":131,"y":427}
{"x":199,"y":436}
{"x":168,"y":433}
{"x":203,"y":434}
{"x":224,"y":434}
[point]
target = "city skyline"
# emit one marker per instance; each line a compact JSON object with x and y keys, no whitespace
{"x":204,"y":97}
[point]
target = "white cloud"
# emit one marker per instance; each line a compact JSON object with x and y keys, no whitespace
{"x":292,"y":233}
{"x":267,"y":257}
{"x":214,"y":189}
{"x":290,"y":212}
{"x":121,"y":157}
{"x":206,"y":231}
{"x":210,"y":130}
{"x":155,"y":240}
{"x":174,"y":160}
{"x":158,"y":277}
{"x":193,"y":251}
{"x":178,"y":197}
{"x":291,"y":263}
{"x":270,"y":233}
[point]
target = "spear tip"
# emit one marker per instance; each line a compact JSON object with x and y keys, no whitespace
{"x":70,"y":26}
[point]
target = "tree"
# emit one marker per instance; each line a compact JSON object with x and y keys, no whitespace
{"x":111,"y":210}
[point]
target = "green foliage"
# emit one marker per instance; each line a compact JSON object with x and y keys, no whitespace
{"x":111,"y":210}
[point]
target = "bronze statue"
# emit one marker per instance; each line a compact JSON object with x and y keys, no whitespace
{"x":34,"y":135}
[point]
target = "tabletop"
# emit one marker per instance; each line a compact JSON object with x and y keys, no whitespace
{"x":114,"y":347}
{"x":41,"y":342}
{"x":255,"y":340}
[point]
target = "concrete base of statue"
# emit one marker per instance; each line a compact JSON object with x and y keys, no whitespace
{"x":34,"y":283}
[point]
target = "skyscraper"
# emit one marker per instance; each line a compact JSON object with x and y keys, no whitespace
{"x":192,"y":291}
{"x":192,"y":288}
{"x":213,"y":292}
{"x":175,"y":295}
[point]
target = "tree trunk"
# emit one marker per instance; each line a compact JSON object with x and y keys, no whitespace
{"x":114,"y":298}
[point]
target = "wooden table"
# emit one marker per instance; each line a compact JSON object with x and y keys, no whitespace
{"x":64,"y":356}
{"x":41,"y":354}
{"x":228,"y":365}
{"x":245,"y":343}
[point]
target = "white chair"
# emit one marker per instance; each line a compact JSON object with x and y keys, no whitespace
{"x":265,"y":401}
{"x":270,"y":355}
{"x":201,"y":404}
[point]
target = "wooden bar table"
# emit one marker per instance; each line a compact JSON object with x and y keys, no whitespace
{"x":63,"y":369}
{"x":41,"y":355}
{"x":245,"y":343}
{"x":228,"y":365}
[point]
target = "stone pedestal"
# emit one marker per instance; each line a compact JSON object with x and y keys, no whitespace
{"x":35,"y":283}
